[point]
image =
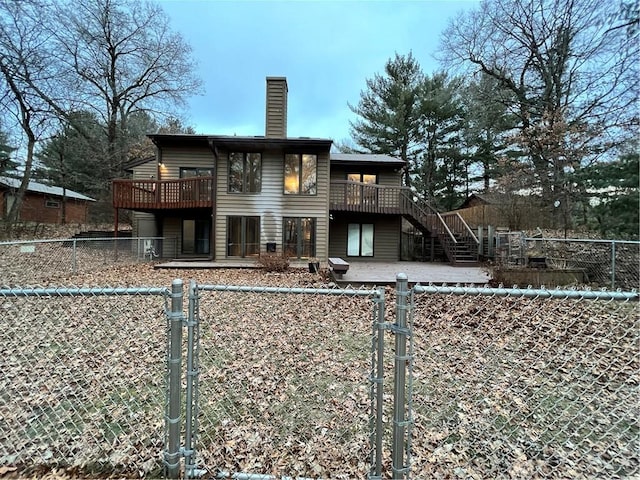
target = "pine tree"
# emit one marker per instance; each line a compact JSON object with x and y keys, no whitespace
{"x":389,"y":112}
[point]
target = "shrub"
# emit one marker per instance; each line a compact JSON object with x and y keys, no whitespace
{"x":272,"y":262}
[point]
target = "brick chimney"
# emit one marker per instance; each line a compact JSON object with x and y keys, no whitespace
{"x":276,"y":112}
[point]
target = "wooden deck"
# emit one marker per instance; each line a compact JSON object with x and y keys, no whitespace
{"x":148,"y":195}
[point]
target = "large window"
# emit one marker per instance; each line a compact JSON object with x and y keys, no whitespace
{"x":245,"y":172}
{"x":360,"y":240}
{"x":190,"y":172}
{"x":366,"y":194}
{"x":197,"y":189}
{"x":299,"y":237}
{"x":243,"y":236}
{"x":300,"y":174}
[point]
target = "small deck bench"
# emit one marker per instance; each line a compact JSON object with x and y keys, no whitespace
{"x":338,"y":266}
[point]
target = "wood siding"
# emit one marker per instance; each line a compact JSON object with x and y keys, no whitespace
{"x":276,"y":111}
{"x":146,"y":171}
{"x":143,"y":224}
{"x":172,"y":229}
{"x":386,"y":232}
{"x":175,"y":158}
{"x":271,"y":204}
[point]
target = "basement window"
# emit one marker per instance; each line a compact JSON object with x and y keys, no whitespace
{"x":52,"y":204}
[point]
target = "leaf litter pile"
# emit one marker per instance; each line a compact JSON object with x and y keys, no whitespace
{"x":503,"y":387}
{"x":525,"y":388}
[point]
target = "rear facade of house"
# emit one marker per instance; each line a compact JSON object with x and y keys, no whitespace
{"x":233,"y":198}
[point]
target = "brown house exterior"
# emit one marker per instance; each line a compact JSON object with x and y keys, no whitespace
{"x":231,"y":198}
{"x":44,"y":203}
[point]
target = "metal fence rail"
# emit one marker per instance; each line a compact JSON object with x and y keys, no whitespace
{"x":288,"y":382}
{"x":32,"y":261}
{"x":523,"y":384}
{"x":82,"y":383}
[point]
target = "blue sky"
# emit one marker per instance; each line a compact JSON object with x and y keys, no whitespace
{"x":326,"y":49}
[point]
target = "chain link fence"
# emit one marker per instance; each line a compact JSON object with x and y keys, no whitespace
{"x":30,"y":262}
{"x":83,"y":381}
{"x":524,"y":384}
{"x":612,"y":264}
{"x":287,"y":382}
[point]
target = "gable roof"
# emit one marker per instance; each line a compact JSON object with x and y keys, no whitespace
{"x":366,"y":158}
{"x":14,"y":184}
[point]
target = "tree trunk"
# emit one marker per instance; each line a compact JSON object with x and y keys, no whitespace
{"x":16,"y":207}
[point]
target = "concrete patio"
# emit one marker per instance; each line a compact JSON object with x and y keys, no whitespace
{"x":373,"y":273}
{"x":382,"y":273}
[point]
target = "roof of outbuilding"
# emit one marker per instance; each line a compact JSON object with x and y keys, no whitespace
{"x":14,"y":183}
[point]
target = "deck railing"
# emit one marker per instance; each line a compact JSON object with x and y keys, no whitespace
{"x":449,"y":228}
{"x":163,"y":194}
{"x":364,"y":197}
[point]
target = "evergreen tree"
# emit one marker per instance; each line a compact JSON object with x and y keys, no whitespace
{"x":389,"y":112}
{"x":489,"y":125}
{"x":75,"y":161}
{"x":7,"y":165}
{"x":440,"y":174}
{"x":614,"y":190}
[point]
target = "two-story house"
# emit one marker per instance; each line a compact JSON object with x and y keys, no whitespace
{"x":233,"y":198}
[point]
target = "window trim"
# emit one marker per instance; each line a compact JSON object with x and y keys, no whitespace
{"x":244,"y":190}
{"x":300,"y":156}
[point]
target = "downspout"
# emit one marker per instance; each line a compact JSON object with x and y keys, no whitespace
{"x":214,"y":196}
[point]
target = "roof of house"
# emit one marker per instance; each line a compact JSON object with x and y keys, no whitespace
{"x":370,"y":158}
{"x":233,"y":141}
{"x":14,"y":183}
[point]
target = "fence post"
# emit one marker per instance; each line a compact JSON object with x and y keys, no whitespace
{"x":377,"y":385}
{"x":74,"y":267}
{"x":172,"y":452}
{"x":192,"y":373}
{"x":613,"y":265}
{"x":399,"y":470}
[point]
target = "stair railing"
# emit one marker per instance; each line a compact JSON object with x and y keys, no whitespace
{"x":434,"y":222}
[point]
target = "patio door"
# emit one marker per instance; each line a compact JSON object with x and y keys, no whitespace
{"x":195,"y":236}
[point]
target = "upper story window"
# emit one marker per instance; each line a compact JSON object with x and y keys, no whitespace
{"x":245,"y":172}
{"x":300,"y":174}
{"x":191,"y":172}
{"x":364,"y":194}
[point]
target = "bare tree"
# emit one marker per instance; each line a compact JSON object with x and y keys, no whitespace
{"x":113,"y":58}
{"x":22,"y":57}
{"x":122,"y":59}
{"x":571,"y":73}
